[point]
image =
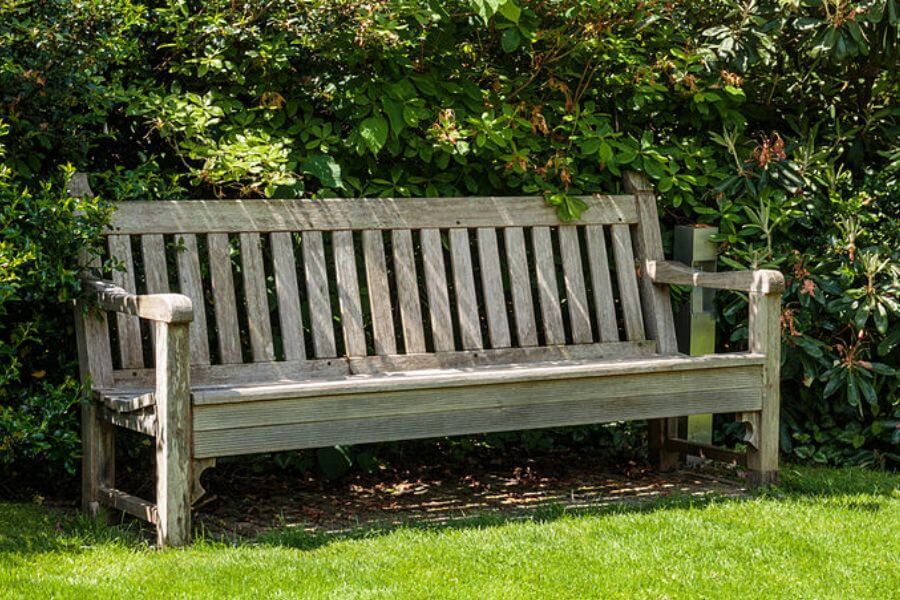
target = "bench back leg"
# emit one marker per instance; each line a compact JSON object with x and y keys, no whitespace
{"x":765,"y":338}
{"x":173,"y":436}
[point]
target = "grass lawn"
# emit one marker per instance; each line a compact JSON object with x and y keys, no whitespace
{"x":822,"y":533}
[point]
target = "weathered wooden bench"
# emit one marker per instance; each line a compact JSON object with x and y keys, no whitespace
{"x":303,"y":324}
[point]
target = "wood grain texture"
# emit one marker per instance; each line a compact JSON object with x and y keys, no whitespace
{"x":520,"y":286}
{"x":763,"y":281}
{"x":408,"y":291}
{"x":548,"y":293}
{"x":317,"y":294}
{"x":288,"y":294}
{"x":765,"y":338}
{"x":659,"y":323}
{"x":187,"y":259}
{"x":576,"y":293}
{"x":601,"y":284}
{"x":626,"y":275}
{"x":258,"y":320}
{"x":492,"y":288}
{"x":233,"y":216}
{"x":436,"y":287}
{"x":464,"y":288}
{"x":498,"y":412}
{"x":426,"y":401}
{"x":475,"y":376}
{"x":224,"y":298}
{"x":348,"y":293}
{"x":173,"y":436}
{"x":379,"y":293}
{"x":128,"y":327}
{"x":153,"y":253}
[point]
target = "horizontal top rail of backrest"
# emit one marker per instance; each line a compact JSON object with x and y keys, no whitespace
{"x":231,"y":216}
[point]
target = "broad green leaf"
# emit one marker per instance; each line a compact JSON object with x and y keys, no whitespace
{"x":325,"y":169}
{"x":509,"y":41}
{"x":394,"y":112}
{"x":511,"y":11}
{"x":374,"y":132}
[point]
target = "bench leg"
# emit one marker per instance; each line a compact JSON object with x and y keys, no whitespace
{"x":660,"y":431}
{"x":98,"y":457}
{"x":173,"y":436}
{"x":765,"y":338}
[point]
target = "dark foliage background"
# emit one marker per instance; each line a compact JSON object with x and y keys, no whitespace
{"x":776,"y":121}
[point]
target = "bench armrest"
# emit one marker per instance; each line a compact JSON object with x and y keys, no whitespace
{"x":762,"y":281}
{"x":165,"y":308}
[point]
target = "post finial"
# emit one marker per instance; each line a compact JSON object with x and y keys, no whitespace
{"x":78,"y":186}
{"x":636,"y":182}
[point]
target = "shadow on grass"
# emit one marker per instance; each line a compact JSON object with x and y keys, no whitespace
{"x":31,"y":529}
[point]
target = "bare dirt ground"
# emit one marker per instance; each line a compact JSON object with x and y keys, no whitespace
{"x":241,"y":502}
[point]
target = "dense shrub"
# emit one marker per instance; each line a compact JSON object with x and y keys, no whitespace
{"x":776,"y":121}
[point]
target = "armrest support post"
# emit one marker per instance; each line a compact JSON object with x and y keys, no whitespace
{"x":765,"y":338}
{"x":173,"y":436}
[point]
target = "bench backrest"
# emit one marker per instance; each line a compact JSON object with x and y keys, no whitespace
{"x":287,"y":289}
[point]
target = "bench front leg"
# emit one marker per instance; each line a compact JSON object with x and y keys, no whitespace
{"x":765,"y":338}
{"x":173,"y":437}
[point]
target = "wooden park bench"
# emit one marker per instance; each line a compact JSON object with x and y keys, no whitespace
{"x":303,"y":324}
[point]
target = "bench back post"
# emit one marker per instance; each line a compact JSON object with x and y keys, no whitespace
{"x":659,"y":321}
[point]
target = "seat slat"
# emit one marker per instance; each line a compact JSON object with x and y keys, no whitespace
{"x":436,"y":286}
{"x":288,"y":294}
{"x":408,"y":291}
{"x":601,"y":284}
{"x":317,"y":294}
{"x":548,"y":293}
{"x":128,"y":327}
{"x":224,"y":299}
{"x":348,"y":293}
{"x":573,"y":277}
{"x":520,"y":285}
{"x":257,"y":301}
{"x":379,"y":293}
{"x":464,"y":285}
{"x":627,"y":278}
{"x":187,"y":259}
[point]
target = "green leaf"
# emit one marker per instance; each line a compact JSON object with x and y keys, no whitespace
{"x":511,"y":11}
{"x":325,"y":169}
{"x":394,"y":112}
{"x":374,"y":132}
{"x":509,"y":41}
{"x":485,"y":8}
{"x":653,"y":168}
{"x":606,"y":152}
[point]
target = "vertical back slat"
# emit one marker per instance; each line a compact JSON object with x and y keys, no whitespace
{"x":492,"y":287}
{"x":224,"y":299}
{"x":348,"y":293}
{"x":257,"y":302}
{"x":408,"y":291}
{"x":520,"y":285}
{"x":604,"y":304}
{"x":317,"y":293}
{"x":188,"y":261}
{"x":436,"y":286}
{"x":379,"y":293}
{"x":153,"y":251}
{"x":288,"y":294}
{"x":128,"y":327}
{"x":464,"y":284}
{"x":627,"y":278}
{"x":576,"y":294}
{"x":548,"y":293}
{"x":93,"y":326}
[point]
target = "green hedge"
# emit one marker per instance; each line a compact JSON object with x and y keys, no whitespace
{"x":776,"y":121}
